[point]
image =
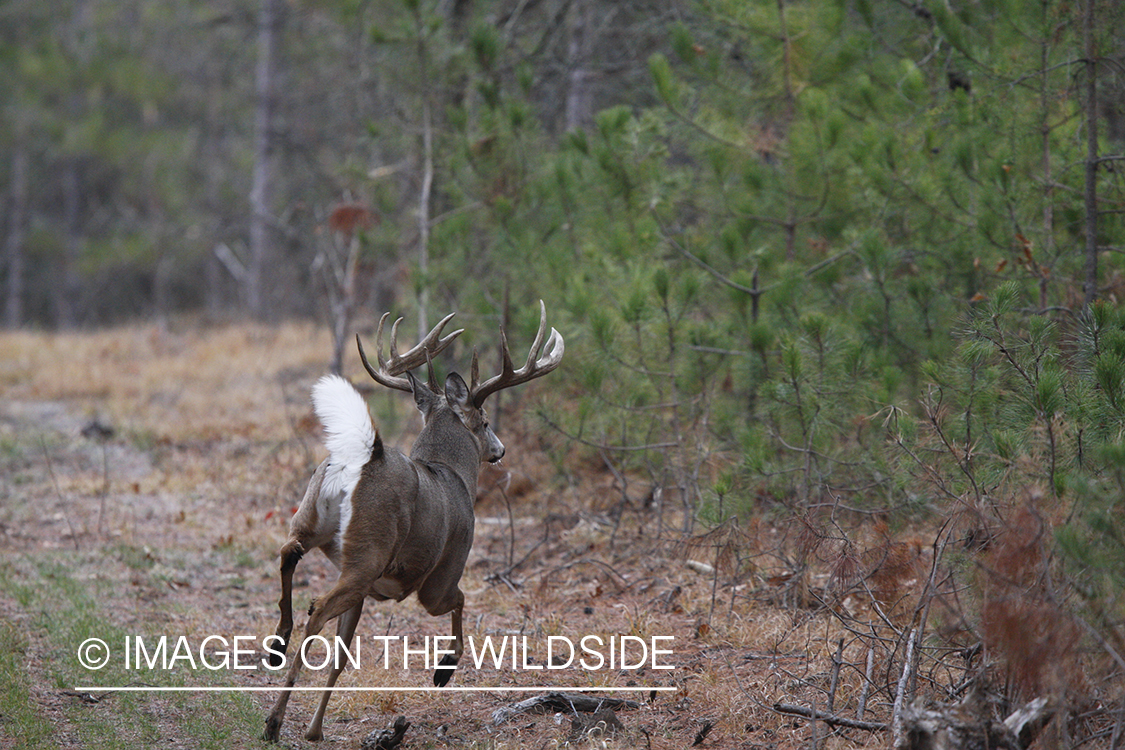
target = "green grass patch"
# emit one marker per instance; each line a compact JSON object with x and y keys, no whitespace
{"x":22,"y":722}
{"x":66,"y":606}
{"x":137,"y":558}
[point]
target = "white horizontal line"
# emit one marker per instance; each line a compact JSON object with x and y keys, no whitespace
{"x":498,"y":689}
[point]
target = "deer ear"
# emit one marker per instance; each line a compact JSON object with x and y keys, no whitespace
{"x":424,"y":398}
{"x":457,"y":393}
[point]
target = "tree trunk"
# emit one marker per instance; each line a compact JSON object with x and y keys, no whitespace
{"x":1045,"y":133}
{"x":66,"y":285}
{"x":261,"y":189}
{"x":17,"y":230}
{"x":579,"y":102}
{"x":212,"y":155}
{"x":427,"y":177}
{"x":1091,"y":191}
{"x":340,"y":264}
{"x":78,"y":40}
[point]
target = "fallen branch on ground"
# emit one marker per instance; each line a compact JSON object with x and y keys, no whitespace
{"x":839,"y":721}
{"x":555,"y":702}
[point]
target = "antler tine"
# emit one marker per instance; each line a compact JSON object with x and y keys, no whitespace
{"x":537,"y":344}
{"x":379,"y":343}
{"x":434,"y":343}
{"x":389,"y":369}
{"x":377,"y":375}
{"x":394,"y":340}
{"x":431,"y":378}
{"x":535,"y":366}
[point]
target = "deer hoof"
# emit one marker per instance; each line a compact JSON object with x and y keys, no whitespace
{"x":314,"y":735}
{"x":277,"y":658}
{"x":273,"y":729}
{"x":443,"y":676}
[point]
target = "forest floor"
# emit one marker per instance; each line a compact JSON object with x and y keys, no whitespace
{"x":146,"y":480}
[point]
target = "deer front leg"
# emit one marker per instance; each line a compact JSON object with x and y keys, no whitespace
{"x":345,"y":631}
{"x":444,"y":672}
{"x":340,"y":599}
{"x":277,"y":715}
{"x":291,"y":554}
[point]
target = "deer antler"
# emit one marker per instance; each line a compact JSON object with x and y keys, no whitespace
{"x":390,"y":369}
{"x":535,"y":366}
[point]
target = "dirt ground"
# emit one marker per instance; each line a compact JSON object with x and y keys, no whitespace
{"x":156,"y":470}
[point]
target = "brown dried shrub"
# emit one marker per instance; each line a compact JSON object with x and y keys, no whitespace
{"x":1022,"y":619}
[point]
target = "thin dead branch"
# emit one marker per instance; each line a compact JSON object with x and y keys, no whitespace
{"x":897,"y":718}
{"x":830,"y":719}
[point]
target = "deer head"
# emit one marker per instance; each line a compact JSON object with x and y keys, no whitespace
{"x":466,"y":402}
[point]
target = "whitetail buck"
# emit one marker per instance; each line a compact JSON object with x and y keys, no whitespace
{"x":394,"y":525}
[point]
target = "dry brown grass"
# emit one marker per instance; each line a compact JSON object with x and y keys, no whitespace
{"x":211,"y":383}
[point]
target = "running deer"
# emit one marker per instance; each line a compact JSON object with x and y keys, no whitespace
{"x":395,"y":525}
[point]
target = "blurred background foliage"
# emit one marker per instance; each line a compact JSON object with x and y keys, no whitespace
{"x":807,"y":256}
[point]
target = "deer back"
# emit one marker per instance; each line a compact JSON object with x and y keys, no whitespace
{"x":419,"y":510}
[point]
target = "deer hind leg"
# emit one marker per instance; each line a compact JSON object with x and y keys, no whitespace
{"x":444,"y":673}
{"x":344,"y":596}
{"x":345,"y":632}
{"x":291,"y":554}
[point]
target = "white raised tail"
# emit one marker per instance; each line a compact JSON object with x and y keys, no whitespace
{"x":348,"y":433}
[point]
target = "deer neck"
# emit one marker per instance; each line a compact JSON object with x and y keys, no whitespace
{"x":444,"y":441}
